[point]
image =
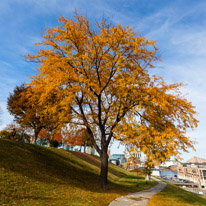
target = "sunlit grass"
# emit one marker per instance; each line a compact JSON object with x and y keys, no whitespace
{"x":35,"y":175}
{"x":175,"y":196}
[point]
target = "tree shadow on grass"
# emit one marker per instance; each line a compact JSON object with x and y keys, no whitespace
{"x":44,"y":165}
{"x":95,"y":160}
{"x":49,"y":165}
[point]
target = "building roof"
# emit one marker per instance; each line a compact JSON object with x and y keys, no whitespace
{"x":196,"y":160}
{"x":111,"y":157}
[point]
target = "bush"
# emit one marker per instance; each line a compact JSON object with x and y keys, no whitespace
{"x":138,"y":170}
{"x":54,"y":143}
{"x":21,"y":137}
{"x":5,"y":134}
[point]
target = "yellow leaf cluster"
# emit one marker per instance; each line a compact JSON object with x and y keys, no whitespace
{"x":100,"y":78}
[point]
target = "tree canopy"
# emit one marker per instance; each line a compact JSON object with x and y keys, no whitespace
{"x":23,"y":104}
{"x":24,"y":109}
{"x":100,"y":77}
{"x":81,"y":137}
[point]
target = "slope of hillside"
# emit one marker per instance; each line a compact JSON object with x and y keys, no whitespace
{"x":36,"y":175}
{"x":174,"y":195}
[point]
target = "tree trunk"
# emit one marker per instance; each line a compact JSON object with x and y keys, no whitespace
{"x":35,"y":137}
{"x":49,"y":143}
{"x":36,"y":132}
{"x":104,"y":170}
{"x":147,"y":178}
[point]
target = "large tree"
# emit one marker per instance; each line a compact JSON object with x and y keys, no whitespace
{"x":102,"y":76}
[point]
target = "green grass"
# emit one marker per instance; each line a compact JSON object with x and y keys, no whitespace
{"x":36,"y":175}
{"x":173,"y":195}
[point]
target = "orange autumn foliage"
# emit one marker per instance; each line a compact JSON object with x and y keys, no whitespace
{"x":100,"y":79}
{"x":75,"y":140}
{"x":25,"y":109}
{"x":44,"y":134}
{"x":81,"y":137}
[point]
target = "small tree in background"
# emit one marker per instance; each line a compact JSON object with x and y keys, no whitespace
{"x":148,"y":169}
{"x":23,"y":105}
{"x":24,"y":110}
{"x":53,"y":139}
{"x":80,"y":137}
{"x":84,"y":135}
{"x":4,"y":134}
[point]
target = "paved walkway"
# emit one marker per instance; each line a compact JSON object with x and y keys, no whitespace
{"x":139,"y":198}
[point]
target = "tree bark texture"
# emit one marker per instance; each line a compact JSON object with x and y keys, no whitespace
{"x":104,"y":170}
{"x":36,"y":133}
{"x":35,"y":137}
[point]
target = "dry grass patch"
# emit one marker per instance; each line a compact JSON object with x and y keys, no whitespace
{"x":175,"y":196}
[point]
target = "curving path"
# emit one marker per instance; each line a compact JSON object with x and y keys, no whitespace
{"x":139,"y":198}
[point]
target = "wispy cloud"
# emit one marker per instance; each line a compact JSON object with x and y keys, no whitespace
{"x":179,"y":27}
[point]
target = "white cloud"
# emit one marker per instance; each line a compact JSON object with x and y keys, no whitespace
{"x":190,"y":42}
{"x":5,"y":117}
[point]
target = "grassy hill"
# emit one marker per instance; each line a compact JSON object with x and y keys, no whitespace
{"x":36,"y":175}
{"x":173,"y":195}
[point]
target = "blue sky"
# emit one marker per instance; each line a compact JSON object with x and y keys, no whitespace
{"x":178,"y":26}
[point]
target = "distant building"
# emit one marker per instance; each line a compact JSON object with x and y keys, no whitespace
{"x":90,"y":150}
{"x":193,"y":170}
{"x":118,"y":159}
{"x":169,"y":163}
{"x":156,"y":172}
{"x":114,"y":160}
{"x":196,"y":160}
{"x":121,"y":157}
